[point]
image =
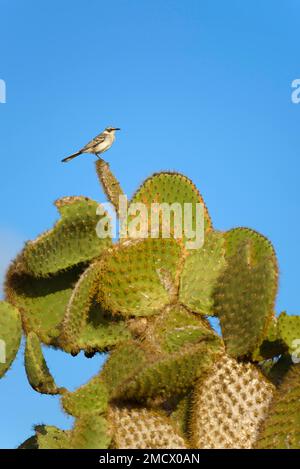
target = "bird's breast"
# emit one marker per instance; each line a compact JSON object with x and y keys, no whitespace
{"x":103,"y":146}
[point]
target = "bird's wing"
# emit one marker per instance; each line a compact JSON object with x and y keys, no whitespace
{"x":99,"y":139}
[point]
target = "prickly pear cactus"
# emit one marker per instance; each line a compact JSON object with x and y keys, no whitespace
{"x":170,"y":380}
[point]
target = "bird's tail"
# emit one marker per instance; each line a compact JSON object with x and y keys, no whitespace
{"x":71,"y":157}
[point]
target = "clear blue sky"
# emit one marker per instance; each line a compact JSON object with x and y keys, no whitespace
{"x":201,"y":87}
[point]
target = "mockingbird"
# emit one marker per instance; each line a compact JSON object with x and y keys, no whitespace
{"x":98,"y":145}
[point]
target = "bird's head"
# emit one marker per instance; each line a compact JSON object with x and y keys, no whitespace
{"x":111,"y":130}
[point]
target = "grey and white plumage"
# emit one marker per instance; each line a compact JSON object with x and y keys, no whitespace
{"x":98,"y":145}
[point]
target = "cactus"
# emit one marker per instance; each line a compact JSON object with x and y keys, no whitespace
{"x":229,"y":406}
{"x":246,"y":290}
{"x":281,"y":428}
{"x":140,"y":428}
{"x":10,"y":335}
{"x":169,"y":381}
{"x":71,"y":241}
{"x":36,"y":367}
{"x":204,"y":266}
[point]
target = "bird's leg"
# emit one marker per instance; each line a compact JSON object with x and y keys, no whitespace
{"x":99,"y":157}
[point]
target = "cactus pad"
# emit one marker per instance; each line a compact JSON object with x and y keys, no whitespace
{"x":246,"y":290}
{"x":101,"y":333}
{"x":109,"y":183}
{"x":10,"y":335}
{"x":41,"y":301}
{"x":169,"y":188}
{"x":176,"y":327}
{"x":167,"y":375}
{"x":139,"y":428}
{"x":281,"y":429}
{"x":289,"y":332}
{"x":204,"y":266}
{"x":73,"y":239}
{"x":90,"y":432}
{"x":49,"y":437}
{"x":37,"y":371}
{"x":229,"y":405}
{"x":131,"y":280}
{"x":91,"y":398}
{"x":79,"y":305}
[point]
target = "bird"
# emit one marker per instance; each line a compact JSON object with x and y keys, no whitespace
{"x":98,"y":145}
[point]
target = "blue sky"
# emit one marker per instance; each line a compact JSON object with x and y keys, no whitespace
{"x":197,"y":86}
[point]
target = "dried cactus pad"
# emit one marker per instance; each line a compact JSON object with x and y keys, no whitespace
{"x":72,"y":240}
{"x":229,"y":406}
{"x":139,"y":428}
{"x":10,"y":335}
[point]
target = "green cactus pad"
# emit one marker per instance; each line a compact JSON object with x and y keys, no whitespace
{"x":172,"y":374}
{"x":101,"y":333}
{"x":151,"y":373}
{"x":10,"y":335}
{"x":175,"y":327}
{"x":138,"y":428}
{"x":123,"y":364}
{"x":41,"y":302}
{"x":91,"y":398}
{"x":30,"y":443}
{"x":272,"y":345}
{"x":289,"y":332}
{"x":200,"y":274}
{"x":246,"y":290}
{"x":86,"y":326}
{"x":181,"y":414}
{"x":49,"y":437}
{"x":169,"y":188}
{"x":281,"y":429}
{"x":90,"y":432}
{"x":132,"y":282}
{"x":110,"y":184}
{"x":79,"y":305}
{"x":36,"y":367}
{"x":72,"y":240}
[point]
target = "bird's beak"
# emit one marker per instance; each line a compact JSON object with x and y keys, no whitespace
{"x":117,"y":128}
